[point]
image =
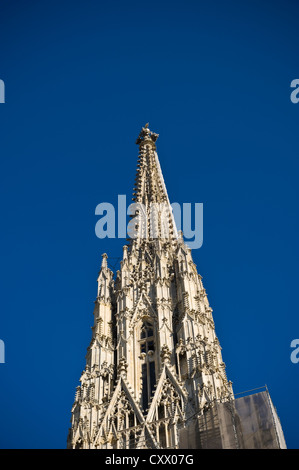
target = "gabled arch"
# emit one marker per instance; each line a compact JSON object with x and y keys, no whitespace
{"x":143,"y":304}
{"x":167,"y":409}
{"x":108,"y":425}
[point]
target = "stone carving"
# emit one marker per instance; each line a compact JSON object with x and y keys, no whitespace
{"x":146,"y":135}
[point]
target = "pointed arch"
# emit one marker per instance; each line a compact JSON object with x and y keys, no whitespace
{"x":148,"y":358}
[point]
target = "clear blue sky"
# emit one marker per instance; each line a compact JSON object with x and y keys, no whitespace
{"x":82,"y":77}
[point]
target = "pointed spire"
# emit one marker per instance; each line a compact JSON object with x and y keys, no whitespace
{"x":155,"y":313}
{"x":125,"y":252}
{"x":150,"y":190}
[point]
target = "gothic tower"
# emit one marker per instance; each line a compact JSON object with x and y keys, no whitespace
{"x":154,"y":362}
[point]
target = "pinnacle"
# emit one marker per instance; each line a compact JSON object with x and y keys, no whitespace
{"x":104,"y":260}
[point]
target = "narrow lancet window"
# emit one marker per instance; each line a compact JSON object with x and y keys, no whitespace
{"x":148,"y":368}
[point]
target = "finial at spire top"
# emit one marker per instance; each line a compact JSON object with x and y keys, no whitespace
{"x":146,"y":136}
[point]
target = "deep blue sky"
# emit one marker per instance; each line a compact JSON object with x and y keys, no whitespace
{"x":82,"y":77}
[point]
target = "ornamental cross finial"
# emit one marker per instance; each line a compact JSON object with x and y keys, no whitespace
{"x":146,"y":135}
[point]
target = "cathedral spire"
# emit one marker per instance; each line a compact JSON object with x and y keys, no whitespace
{"x":155,"y":213}
{"x":154,"y":361}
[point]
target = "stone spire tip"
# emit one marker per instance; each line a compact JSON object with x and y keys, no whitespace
{"x":146,"y":136}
